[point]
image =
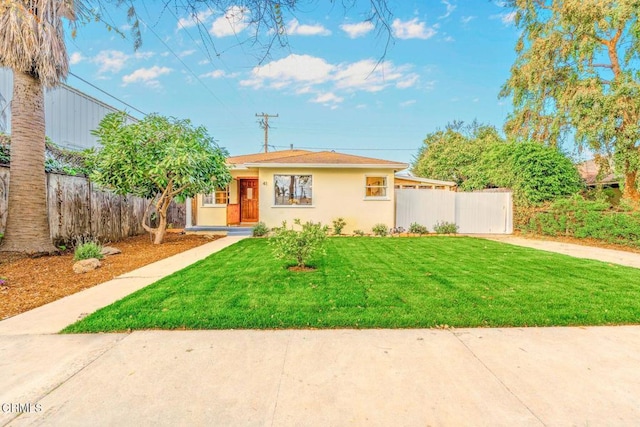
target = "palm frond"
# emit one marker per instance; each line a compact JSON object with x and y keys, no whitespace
{"x":32,"y":37}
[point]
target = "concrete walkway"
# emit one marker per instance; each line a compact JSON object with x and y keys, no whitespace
{"x":630,"y":259}
{"x":492,"y":377}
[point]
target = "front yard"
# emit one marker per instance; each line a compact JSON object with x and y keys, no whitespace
{"x":382,"y":283}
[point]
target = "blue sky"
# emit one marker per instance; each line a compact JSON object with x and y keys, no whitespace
{"x":447,"y":61}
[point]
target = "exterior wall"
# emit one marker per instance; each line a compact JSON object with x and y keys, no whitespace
{"x":70,"y":115}
{"x":217,"y":215}
{"x":335,"y":193}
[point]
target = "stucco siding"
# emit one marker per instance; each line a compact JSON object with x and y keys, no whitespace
{"x":335,"y":193}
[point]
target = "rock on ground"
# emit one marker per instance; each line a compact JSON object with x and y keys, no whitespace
{"x":110,"y":250}
{"x":86,"y":265}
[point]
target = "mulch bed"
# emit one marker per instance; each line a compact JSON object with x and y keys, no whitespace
{"x":32,"y":282}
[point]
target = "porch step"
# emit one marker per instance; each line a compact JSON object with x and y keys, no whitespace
{"x":229,"y":231}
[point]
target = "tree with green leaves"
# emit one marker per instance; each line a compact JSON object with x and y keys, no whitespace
{"x":577,"y":75}
{"x":452,"y":154}
{"x":160,"y":159}
{"x":477,"y":157}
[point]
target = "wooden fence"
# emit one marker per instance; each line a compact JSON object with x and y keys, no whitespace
{"x":77,"y":209}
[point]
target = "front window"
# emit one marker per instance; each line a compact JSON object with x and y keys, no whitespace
{"x":217,"y":198}
{"x":292,"y":189}
{"x":376,"y":186}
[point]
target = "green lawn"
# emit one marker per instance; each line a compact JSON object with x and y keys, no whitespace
{"x":381,"y":283}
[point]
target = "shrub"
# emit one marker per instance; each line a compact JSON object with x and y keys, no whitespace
{"x":416,"y":228}
{"x":260,"y":229}
{"x":445,"y":228}
{"x":338,"y":225}
{"x":88,"y":250}
{"x":380,"y":230}
{"x":299,"y":245}
{"x":581,"y":218}
{"x":358,"y":233}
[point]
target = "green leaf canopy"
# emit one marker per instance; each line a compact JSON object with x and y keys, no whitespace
{"x":157,"y":155}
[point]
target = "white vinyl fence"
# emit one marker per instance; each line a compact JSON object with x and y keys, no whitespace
{"x":473,"y":213}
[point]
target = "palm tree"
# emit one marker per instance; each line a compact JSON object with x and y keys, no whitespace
{"x":32,"y":45}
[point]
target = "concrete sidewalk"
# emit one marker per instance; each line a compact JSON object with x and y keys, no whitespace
{"x":475,"y":377}
{"x":55,"y":316}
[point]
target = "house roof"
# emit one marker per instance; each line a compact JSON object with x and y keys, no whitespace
{"x":308,"y":159}
{"x":259,"y":157}
{"x":589,"y":172}
{"x":425,"y":180}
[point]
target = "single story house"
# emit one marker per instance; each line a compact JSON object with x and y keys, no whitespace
{"x":320,"y":186}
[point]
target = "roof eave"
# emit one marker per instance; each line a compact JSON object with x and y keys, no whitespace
{"x":398,"y":166}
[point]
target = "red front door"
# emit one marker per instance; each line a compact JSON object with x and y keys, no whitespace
{"x":249,"y":200}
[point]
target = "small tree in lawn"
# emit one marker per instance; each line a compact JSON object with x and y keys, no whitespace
{"x":158,"y":158}
{"x":299,"y":245}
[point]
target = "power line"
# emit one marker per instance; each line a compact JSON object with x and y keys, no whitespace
{"x":182,"y":62}
{"x":107,"y":93}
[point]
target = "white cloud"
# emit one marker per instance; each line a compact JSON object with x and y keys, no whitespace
{"x":412,"y":29}
{"x":357,"y":30}
{"x":507,"y":18}
{"x":215,"y":74}
{"x":293,"y":68}
{"x":407,"y":103}
{"x":188,"y":52}
{"x":194,"y":19}
{"x":75,"y":58}
{"x":295,"y":28}
{"x":450,"y":8}
{"x":408,"y":81}
{"x":327,"y":98}
{"x":466,"y":19}
{"x":148,"y":76}
{"x":326,"y":82}
{"x":110,"y":61}
{"x":143,"y":55}
{"x":234,"y":21}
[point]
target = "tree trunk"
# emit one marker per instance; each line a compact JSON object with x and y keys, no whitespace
{"x":27,"y":217}
{"x":162,"y":227}
{"x":630,"y":187}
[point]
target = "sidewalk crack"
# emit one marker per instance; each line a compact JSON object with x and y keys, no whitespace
{"x":497,"y":378}
{"x":284,"y":361}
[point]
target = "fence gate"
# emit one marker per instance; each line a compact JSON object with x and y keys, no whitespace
{"x":473,"y":213}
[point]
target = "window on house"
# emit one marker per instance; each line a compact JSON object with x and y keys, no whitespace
{"x":292,"y":189}
{"x":217,"y":198}
{"x":376,"y":186}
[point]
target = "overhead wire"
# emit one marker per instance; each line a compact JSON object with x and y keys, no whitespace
{"x":107,"y":93}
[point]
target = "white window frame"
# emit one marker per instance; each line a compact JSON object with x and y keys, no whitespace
{"x":386,"y":187}
{"x":213,"y":197}
{"x":293,"y":205}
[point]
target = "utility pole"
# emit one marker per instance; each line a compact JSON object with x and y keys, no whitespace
{"x":264,"y":124}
